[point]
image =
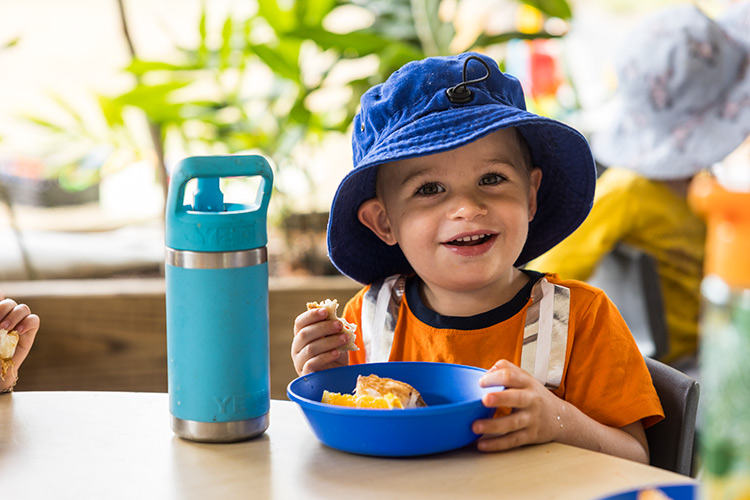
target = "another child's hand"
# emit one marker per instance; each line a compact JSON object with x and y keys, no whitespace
{"x":18,"y":317}
{"x":535,"y":416}
{"x":316,"y":344}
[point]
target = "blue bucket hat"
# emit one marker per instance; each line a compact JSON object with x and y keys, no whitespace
{"x":442,"y":103}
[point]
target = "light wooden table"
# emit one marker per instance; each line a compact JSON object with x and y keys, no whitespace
{"x":111,"y":445}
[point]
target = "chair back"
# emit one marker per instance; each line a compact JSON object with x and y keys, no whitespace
{"x":671,"y":441}
{"x":631,"y":280}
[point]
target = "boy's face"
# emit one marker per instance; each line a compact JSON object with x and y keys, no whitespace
{"x":461,"y":217}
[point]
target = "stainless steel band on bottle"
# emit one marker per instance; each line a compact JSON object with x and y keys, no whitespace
{"x":220,"y":432}
{"x":187,"y":259}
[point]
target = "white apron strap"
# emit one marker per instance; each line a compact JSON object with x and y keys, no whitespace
{"x":380,"y":307}
{"x":545,"y":336}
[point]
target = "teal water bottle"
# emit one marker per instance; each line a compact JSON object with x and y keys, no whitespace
{"x":216,"y":276}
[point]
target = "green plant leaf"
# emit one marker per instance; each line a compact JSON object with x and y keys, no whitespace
{"x":282,"y":60}
{"x":155,"y":101}
{"x":315,"y":11}
{"x":10,"y":43}
{"x":42,"y":122}
{"x":111,"y":110}
{"x":280,"y":20}
{"x":553,"y":8}
{"x":484,"y":40}
{"x":202,"y":31}
{"x":226,"y":43}
{"x":70,"y":110}
{"x":434,"y":35}
{"x":363,"y":43}
{"x":140,"y":67}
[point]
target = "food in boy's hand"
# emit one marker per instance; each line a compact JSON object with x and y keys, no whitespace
{"x":8,"y":343}
{"x":349,"y":328}
{"x":377,"y":392}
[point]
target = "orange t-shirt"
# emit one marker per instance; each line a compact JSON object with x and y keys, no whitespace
{"x":604,"y":376}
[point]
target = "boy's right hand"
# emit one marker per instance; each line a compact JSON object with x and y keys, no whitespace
{"x":316,"y":342}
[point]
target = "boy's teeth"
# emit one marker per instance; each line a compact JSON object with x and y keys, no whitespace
{"x":471,"y":238}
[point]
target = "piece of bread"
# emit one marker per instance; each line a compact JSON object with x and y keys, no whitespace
{"x":375,"y":386}
{"x":349,"y":328}
{"x":377,"y":392}
{"x":8,"y":343}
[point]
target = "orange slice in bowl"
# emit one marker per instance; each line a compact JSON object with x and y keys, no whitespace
{"x":387,"y":402}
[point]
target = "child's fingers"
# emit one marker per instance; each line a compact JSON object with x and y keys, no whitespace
{"x":504,"y":442}
{"x":504,"y":374}
{"x":28,"y":325}
{"x":513,"y":422}
{"x":11,"y":313}
{"x":310,"y":355}
{"x":509,"y":398}
{"x":319,"y":345}
{"x":27,"y":330}
{"x":308,"y":318}
{"x":321,"y":362}
{"x":314,"y":332}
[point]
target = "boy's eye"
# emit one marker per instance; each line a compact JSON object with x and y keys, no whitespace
{"x":429,"y":188}
{"x":491,"y":179}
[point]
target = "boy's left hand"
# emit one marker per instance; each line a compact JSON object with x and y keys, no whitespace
{"x":536,"y":411}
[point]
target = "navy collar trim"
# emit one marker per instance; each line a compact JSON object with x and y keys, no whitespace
{"x":483,"y":320}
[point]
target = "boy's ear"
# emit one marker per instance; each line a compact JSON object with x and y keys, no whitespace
{"x":535,"y":180}
{"x":372,"y":214}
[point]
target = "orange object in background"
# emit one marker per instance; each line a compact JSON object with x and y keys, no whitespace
{"x":727,"y":215}
{"x":543,"y":69}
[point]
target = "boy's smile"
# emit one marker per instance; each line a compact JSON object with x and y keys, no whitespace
{"x":460,"y":217}
{"x":471,"y":244}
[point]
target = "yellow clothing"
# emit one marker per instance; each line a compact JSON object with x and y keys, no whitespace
{"x":648,"y":215}
{"x":604,"y":374}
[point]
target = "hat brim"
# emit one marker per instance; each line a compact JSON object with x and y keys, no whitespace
{"x":564,"y":199}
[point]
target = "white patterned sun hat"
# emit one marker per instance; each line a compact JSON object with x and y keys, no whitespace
{"x":683,"y":101}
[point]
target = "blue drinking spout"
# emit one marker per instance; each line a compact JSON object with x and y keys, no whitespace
{"x":208,"y":196}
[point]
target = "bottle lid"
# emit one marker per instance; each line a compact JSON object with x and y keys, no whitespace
{"x":210,"y":225}
{"x":727,"y":215}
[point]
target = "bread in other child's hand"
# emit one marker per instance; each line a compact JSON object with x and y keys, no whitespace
{"x":349,"y":328}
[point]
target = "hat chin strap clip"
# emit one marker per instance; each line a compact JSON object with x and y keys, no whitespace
{"x":461,"y":94}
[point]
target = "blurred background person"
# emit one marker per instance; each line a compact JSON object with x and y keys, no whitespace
{"x":682,"y":104}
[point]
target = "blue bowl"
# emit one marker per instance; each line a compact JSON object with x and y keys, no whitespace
{"x":674,"y":492}
{"x":452,"y":394}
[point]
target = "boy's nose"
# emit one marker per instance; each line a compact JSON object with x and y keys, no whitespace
{"x":467,"y":207}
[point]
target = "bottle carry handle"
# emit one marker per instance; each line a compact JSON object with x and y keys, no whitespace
{"x":196,"y":167}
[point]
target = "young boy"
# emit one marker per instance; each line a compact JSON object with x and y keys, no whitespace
{"x":454,"y":185}
{"x":18,"y":317}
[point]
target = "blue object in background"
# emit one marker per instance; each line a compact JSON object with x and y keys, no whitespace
{"x":451,"y":392}
{"x":673,"y":492}
{"x":217,"y":302}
